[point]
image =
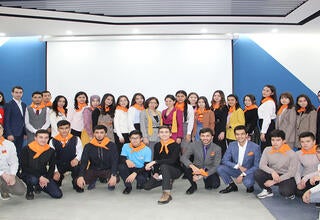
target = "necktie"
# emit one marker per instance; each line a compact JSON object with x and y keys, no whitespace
{"x":37,"y":112}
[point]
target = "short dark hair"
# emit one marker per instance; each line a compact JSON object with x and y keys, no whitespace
{"x":146,"y":103}
{"x":164,"y":127}
{"x":205,"y":130}
{"x":42,"y":131}
{"x":62,"y":123}
{"x":135,"y":132}
{"x":36,"y":93}
{"x":16,"y":87}
{"x":46,"y":91}
{"x":307,"y":134}
{"x":100,"y":127}
{"x":170,"y":97}
{"x":278,"y":133}
{"x":240,"y":127}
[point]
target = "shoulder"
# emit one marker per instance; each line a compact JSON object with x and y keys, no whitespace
{"x":8,"y":144}
{"x":111,"y":145}
{"x":253,"y":145}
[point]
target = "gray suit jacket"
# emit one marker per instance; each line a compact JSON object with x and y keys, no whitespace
{"x":212,"y":160}
{"x":287,"y":122}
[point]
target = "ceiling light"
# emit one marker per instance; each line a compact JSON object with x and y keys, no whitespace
{"x":274,"y":30}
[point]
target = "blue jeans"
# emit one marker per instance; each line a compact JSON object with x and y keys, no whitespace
{"x":226,"y":173}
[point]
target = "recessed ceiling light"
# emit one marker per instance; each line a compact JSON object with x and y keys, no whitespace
{"x":204,"y":30}
{"x":2,"y":34}
{"x":69,"y":32}
{"x":274,"y":30}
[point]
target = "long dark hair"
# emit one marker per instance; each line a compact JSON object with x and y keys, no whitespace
{"x":55,"y":104}
{"x":3,"y":101}
{"x":288,"y":96}
{"x":273,"y":96}
{"x":185,"y":109}
{"x":133,"y":101}
{"x":207,"y":107}
{"x":77,"y":95}
{"x":223,"y":98}
{"x":236,"y":98}
{"x":309,"y":107}
{"x":112,"y":106}
{"x":123,"y":96}
{"x":190,"y":94}
{"x":146,"y":103}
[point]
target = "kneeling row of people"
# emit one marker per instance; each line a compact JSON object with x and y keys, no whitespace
{"x":43,"y":166}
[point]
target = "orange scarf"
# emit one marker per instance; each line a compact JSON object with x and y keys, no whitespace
{"x":283,"y":107}
{"x":283,"y":149}
{"x":313,"y":150}
{"x":39,"y":107}
{"x":38,"y":149}
{"x":122,"y":108}
{"x":48,"y":104}
{"x":150,"y":125}
{"x":232,"y":109}
{"x":81,"y":106}
{"x":267,"y":99}
{"x":63,"y":140}
{"x":164,"y":145}
{"x":248,"y":108}
{"x":174,"y":127}
{"x":107,"y":108}
{"x":180,"y":106}
{"x":103,"y":143}
{"x":62,"y":110}
{"x":200,"y":114}
{"x":136,"y":149}
{"x":1,"y":140}
{"x":302,"y":109}
{"x":216,"y":106}
{"x":138,"y":107}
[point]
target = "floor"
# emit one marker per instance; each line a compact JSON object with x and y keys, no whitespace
{"x":101,"y":203}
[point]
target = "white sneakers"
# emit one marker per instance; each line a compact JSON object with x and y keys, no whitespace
{"x":264,"y":194}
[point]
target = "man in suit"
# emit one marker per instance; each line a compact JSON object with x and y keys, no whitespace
{"x":14,"y":124}
{"x":240,"y":161}
{"x":207,"y":157}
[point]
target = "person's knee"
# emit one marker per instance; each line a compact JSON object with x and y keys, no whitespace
{"x":248,"y":181}
{"x":57,"y":194}
{"x":286,"y":191}
{"x":221,"y":169}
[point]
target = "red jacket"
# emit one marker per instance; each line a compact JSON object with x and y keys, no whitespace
{"x":1,"y":115}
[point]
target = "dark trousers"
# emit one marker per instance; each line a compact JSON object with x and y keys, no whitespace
{"x":220,"y":143}
{"x":267,"y":143}
{"x":308,"y":186}
{"x":76,"y":133}
{"x":62,"y":168}
{"x":210,"y":181}
{"x":125,"y":171}
{"x":118,"y":143}
{"x":52,"y":188}
{"x":18,"y":142}
{"x":169,"y":173}
{"x":286,"y":187}
{"x":91,"y":176}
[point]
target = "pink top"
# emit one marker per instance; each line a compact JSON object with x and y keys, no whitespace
{"x":167,"y":120}
{"x":87,"y":121}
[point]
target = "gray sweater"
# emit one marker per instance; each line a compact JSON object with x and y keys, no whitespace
{"x":308,"y":166}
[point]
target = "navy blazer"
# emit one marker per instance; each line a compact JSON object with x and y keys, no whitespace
{"x":14,"y":123}
{"x":251,"y":156}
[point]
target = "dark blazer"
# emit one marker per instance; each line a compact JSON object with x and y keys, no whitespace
{"x":221,"y":115}
{"x":212,"y":160}
{"x":14,"y":121}
{"x":251,"y":156}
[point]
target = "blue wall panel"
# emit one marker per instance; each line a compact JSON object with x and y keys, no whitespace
{"x":23,"y":63}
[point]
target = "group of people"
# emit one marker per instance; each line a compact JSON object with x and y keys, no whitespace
{"x":105,"y":139}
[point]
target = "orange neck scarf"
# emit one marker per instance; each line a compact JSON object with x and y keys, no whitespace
{"x":48,"y":104}
{"x":164,"y":145}
{"x":63,"y":140}
{"x":283,"y":107}
{"x":107,"y":108}
{"x":138,"y":107}
{"x":102,"y":143}
{"x":200,"y":113}
{"x":122,"y":108}
{"x":39,"y":107}
{"x":62,"y":110}
{"x":232,"y":109}
{"x":312,"y":150}
{"x":302,"y":109}
{"x":267,"y":99}
{"x":81,"y":106}
{"x":1,"y":140}
{"x":283,"y":149}
{"x":248,"y":108}
{"x":38,"y":149}
{"x":180,"y":106}
{"x":216,"y":106}
{"x":136,"y":149}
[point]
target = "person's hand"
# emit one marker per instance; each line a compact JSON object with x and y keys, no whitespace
{"x":131,"y":177}
{"x":5,"y":176}
{"x":80,"y":182}
{"x":145,"y":141}
{"x":275,"y":177}
{"x":150,"y":165}
{"x":56,"y":176}
{"x":74,"y":162}
{"x":306,"y":196}
{"x":301,"y":185}
{"x":242,"y":169}
{"x":178,"y":141}
{"x":239,"y":179}
{"x":130,"y":164}
{"x":10,"y":138}
{"x":269,"y":183}
{"x":121,"y":140}
{"x":112,"y":181}
{"x":195,"y":170}
{"x":221,"y":136}
{"x":263,"y":137}
{"x":156,"y":176}
{"x":43,"y":182}
{"x":314,"y":179}
{"x":195,"y":178}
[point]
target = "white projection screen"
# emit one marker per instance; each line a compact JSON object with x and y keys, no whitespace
{"x":152,"y":67}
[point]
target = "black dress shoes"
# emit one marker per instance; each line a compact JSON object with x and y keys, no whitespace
{"x":29,"y":196}
{"x":127,"y":190}
{"x":230,"y":188}
{"x":250,"y":189}
{"x":191,"y":190}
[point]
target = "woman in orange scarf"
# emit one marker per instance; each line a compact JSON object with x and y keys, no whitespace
{"x":87,"y":133}
{"x":286,"y":118}
{"x":58,"y":113}
{"x":193,"y":99}
{"x":306,"y":117}
{"x":137,"y":106}
{"x":204,"y":118}
{"x":251,"y":118}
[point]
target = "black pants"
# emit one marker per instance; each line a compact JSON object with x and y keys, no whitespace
{"x":62,"y":168}
{"x":220,"y":143}
{"x":169,"y":173}
{"x":210,"y":181}
{"x":308,"y":186}
{"x":267,"y":143}
{"x":118,"y":143}
{"x":286,"y":187}
{"x":125,"y":171}
{"x":76,"y":133}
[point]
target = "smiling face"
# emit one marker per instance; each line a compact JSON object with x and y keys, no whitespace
{"x":123,"y":102}
{"x":284,"y":100}
{"x":247,"y":101}
{"x":169,"y":102}
{"x":135,"y":140}
{"x":81,"y":99}
{"x":164,"y":134}
{"x":46,"y":97}
{"x":42,"y":138}
{"x":61,"y":102}
{"x":17,"y":94}
{"x":108,"y":101}
{"x":266,"y":92}
{"x":37,"y":99}
{"x":95,"y":103}
{"x":217,"y":97}
{"x":206,"y":138}
{"x":180,"y":97}
{"x":232,"y":101}
{"x":302,"y":102}
{"x":241,"y":136}
{"x":152,"y":104}
{"x":139,"y":99}
{"x":193,"y":99}
{"x":201,"y":104}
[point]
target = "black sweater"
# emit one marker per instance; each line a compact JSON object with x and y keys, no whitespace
{"x":251,"y":117}
{"x":172,"y":158}
{"x":221,"y":115}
